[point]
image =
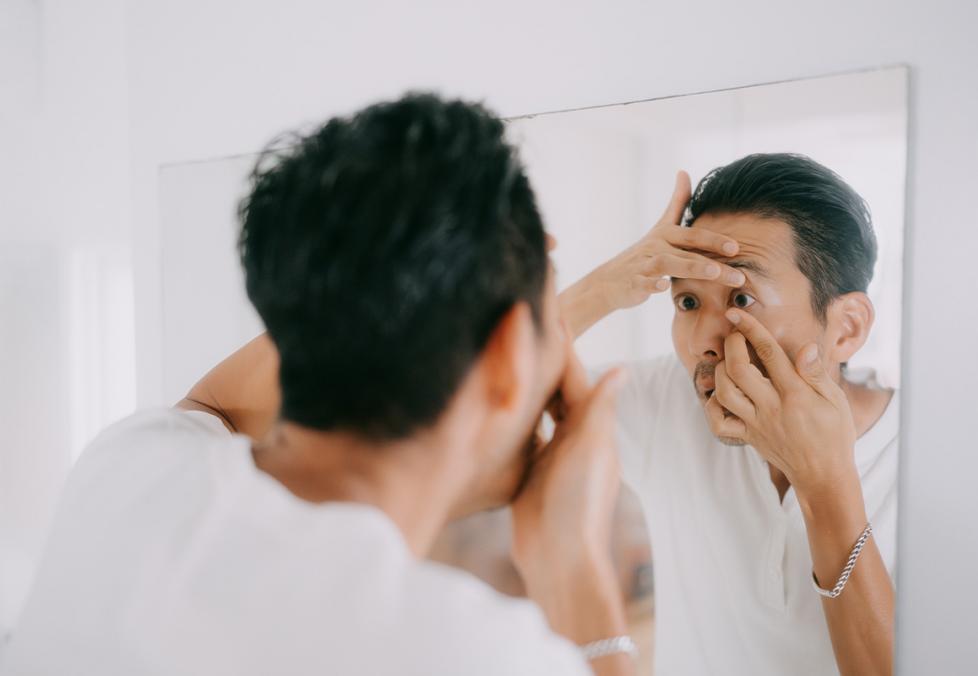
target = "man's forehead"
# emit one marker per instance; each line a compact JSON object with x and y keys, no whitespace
{"x":765,"y":243}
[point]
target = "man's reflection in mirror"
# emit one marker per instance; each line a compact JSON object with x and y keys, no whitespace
{"x":760,"y":460}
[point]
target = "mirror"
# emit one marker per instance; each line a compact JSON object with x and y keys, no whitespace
{"x":603,"y":177}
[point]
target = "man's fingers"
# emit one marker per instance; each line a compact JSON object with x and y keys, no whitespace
{"x":653,"y":284}
{"x":732,"y":397}
{"x":594,"y":418}
{"x":574,"y":387}
{"x":779,"y":368}
{"x":601,"y":403}
{"x":746,"y":376}
{"x":723,"y":425}
{"x":735,"y":352}
{"x":810,"y":367}
{"x":680,"y":198}
{"x":702,"y":239}
{"x":685,"y":265}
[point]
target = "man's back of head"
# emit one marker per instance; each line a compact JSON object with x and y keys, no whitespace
{"x":399,"y":263}
{"x":380,"y":252}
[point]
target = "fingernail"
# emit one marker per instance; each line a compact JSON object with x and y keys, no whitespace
{"x":730,"y":248}
{"x":736,"y":278}
{"x":662,"y":284}
{"x":733,"y":316}
{"x":812,"y":355}
{"x":711,"y":270}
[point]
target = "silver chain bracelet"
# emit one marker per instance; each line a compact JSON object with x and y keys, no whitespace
{"x":609,"y":646}
{"x":847,"y":571}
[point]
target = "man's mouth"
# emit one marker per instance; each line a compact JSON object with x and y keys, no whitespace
{"x":703,"y":379}
{"x":704,"y":376}
{"x":706,"y":390}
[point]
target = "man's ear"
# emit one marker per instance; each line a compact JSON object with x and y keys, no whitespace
{"x":509,"y":357}
{"x":849,"y":319}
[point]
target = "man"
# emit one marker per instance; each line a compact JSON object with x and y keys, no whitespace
{"x":398,"y":261}
{"x":758,"y":458}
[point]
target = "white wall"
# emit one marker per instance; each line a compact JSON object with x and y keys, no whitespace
{"x":67,"y":364}
{"x":213,"y":77}
{"x":201,"y":276}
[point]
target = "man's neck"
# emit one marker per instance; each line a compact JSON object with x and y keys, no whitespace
{"x":408,"y":480}
{"x":866,"y":403}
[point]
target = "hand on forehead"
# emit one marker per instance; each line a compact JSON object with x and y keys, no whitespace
{"x":765,"y":245}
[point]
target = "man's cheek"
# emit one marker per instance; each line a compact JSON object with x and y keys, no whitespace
{"x":679,"y":339}
{"x":789,"y":326}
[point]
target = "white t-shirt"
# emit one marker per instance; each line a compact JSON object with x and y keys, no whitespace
{"x":173,"y":554}
{"x":731,"y":563}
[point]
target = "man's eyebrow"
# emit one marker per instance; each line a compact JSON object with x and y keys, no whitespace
{"x":748,"y":264}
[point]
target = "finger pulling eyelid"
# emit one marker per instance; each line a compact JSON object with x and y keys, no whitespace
{"x":736,"y":277}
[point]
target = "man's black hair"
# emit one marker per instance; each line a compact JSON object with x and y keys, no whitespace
{"x":833,"y":233}
{"x":381,"y":251}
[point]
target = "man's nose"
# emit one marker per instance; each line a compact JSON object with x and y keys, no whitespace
{"x":709,"y":333}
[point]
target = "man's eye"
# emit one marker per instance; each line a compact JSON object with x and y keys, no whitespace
{"x":685,"y":302}
{"x":743,"y":300}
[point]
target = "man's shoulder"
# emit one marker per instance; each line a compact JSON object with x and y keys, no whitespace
{"x":649,"y":380}
{"x":489,"y":632}
{"x":660,"y":419}
{"x":656,"y":371}
{"x":400,"y":614}
{"x":157,"y":423}
{"x":657,"y":390}
{"x":142,"y":451}
{"x":152,"y":431}
{"x":464,"y":599}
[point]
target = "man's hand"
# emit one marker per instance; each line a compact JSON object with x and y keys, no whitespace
{"x":562,"y":518}
{"x":568,"y":500}
{"x":667,"y":250}
{"x":796,"y":416}
{"x":799,"y":419}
